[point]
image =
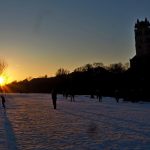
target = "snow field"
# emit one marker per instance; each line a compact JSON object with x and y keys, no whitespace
{"x":31,"y":123}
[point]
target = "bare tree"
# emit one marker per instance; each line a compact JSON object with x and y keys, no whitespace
{"x":3,"y":66}
{"x":98,"y":65}
{"x":117,"y":68}
{"x":62,"y":72}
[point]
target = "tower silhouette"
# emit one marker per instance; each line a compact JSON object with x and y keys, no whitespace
{"x":142,"y":44}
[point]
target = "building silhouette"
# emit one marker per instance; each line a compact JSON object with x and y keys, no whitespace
{"x":141,"y":61}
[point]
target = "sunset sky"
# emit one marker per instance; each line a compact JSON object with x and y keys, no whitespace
{"x":37,"y":37}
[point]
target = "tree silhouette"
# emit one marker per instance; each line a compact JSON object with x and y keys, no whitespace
{"x":3,"y":66}
{"x":62,"y":72}
{"x":117,"y":68}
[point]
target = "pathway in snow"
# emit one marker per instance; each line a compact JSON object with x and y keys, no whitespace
{"x":31,"y":123}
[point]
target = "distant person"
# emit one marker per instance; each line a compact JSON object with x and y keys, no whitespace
{"x":54,"y":97}
{"x":72,"y":96}
{"x":99,"y":95}
{"x":117,"y":95}
{"x":66,"y":94}
{"x":3,"y":101}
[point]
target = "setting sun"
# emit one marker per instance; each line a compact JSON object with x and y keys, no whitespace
{"x":2,"y":81}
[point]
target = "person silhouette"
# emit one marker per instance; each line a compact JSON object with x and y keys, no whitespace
{"x":117,"y":95}
{"x":99,"y":95}
{"x":54,"y":97}
{"x":3,"y":101}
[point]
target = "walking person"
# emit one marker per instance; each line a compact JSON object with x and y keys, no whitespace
{"x":117,"y":95}
{"x":99,"y":95}
{"x":54,"y":97}
{"x":72,"y":96}
{"x":3,"y":101}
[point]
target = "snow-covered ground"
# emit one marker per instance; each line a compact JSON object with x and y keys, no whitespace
{"x":31,"y":123}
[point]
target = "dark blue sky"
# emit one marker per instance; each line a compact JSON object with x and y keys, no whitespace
{"x":39,"y":36}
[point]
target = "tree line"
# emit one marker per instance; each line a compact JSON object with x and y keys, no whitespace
{"x":87,"y":79}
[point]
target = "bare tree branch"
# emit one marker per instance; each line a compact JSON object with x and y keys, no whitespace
{"x":3,"y":66}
